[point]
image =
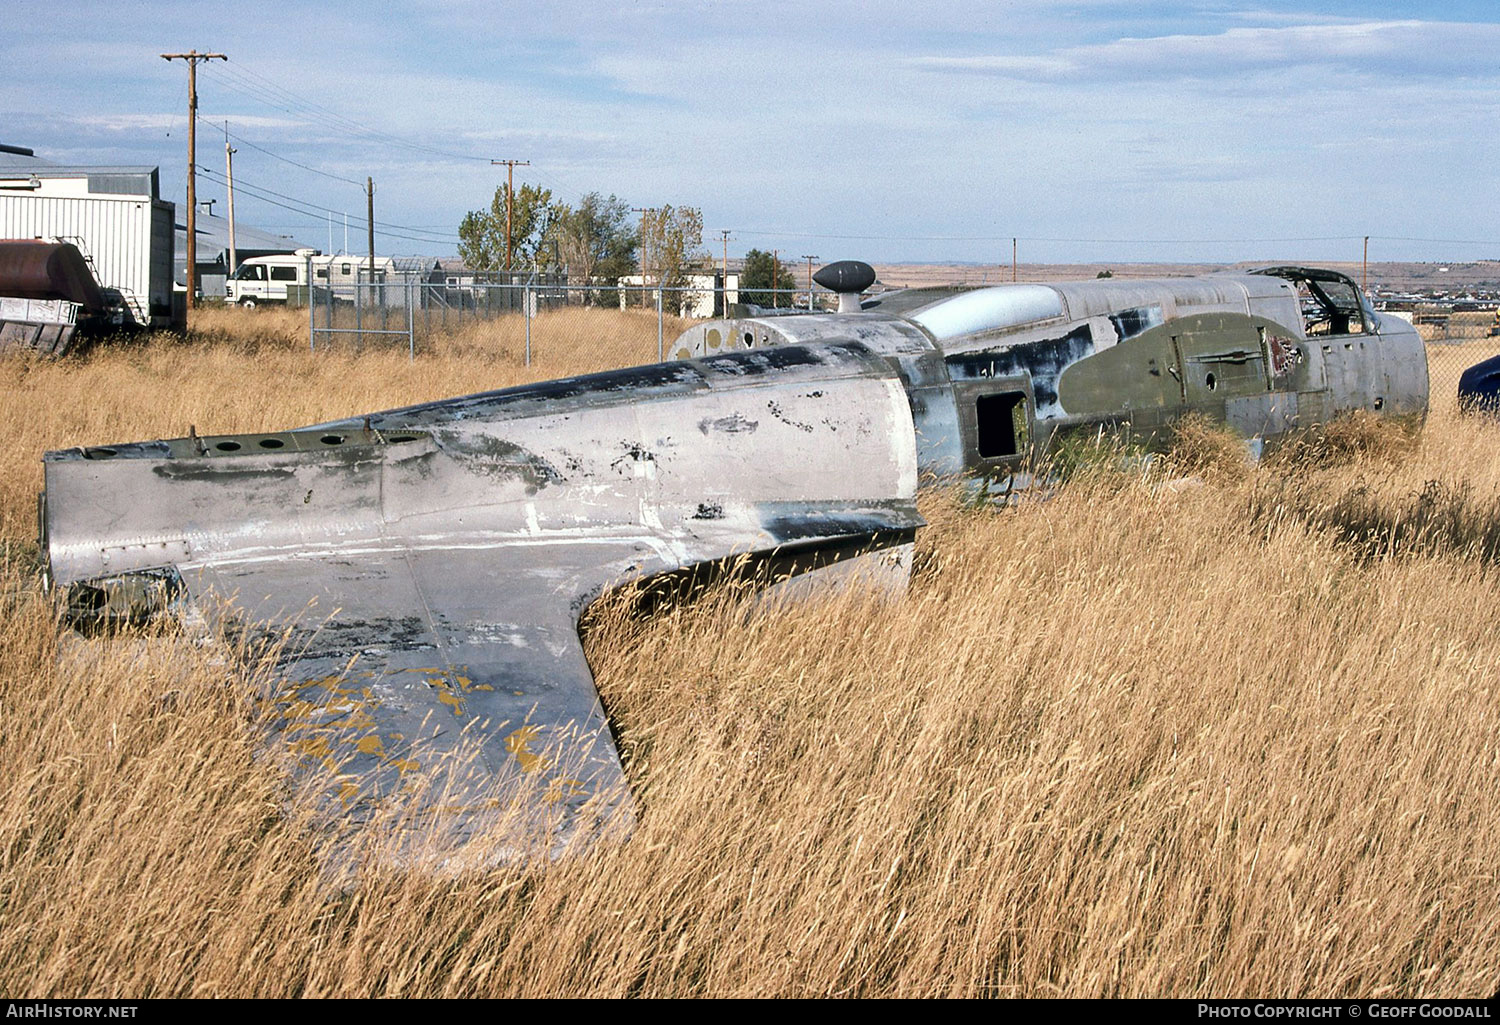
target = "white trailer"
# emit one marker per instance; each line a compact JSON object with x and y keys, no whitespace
{"x":114,"y":218}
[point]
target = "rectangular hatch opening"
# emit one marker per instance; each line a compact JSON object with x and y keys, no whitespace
{"x":1001,"y":419}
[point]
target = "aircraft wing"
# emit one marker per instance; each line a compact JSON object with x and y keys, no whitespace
{"x":424,"y":569}
{"x":444,"y":685}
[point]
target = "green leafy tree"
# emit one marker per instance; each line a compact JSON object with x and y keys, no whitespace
{"x":596,"y":241}
{"x":762,"y":273}
{"x":672,"y":244}
{"x":482,"y":232}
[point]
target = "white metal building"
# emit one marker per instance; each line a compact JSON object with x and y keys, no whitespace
{"x":114,"y":215}
{"x":699,"y":295}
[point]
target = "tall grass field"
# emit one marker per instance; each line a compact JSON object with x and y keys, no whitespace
{"x":1194,"y":729}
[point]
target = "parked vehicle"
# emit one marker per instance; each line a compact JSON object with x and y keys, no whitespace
{"x":267,"y":279}
{"x":49,"y":296}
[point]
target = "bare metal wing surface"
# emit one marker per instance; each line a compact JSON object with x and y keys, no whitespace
{"x":426,"y":567}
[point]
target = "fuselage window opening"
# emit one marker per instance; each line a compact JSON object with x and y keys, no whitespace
{"x":1001,"y":419}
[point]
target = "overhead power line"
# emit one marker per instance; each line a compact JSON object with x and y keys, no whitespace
{"x":277,"y":156}
{"x":1442,"y":241}
{"x":324,"y":209}
{"x":266,"y":91}
{"x":773,"y":233}
{"x":1025,"y":238}
{"x":243,"y":80}
{"x":308,"y":209}
{"x":246,"y":82}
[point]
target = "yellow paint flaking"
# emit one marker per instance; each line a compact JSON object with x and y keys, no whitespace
{"x":452,"y":700}
{"x":518,"y":744}
{"x":562,"y":789}
{"x":313,"y":747}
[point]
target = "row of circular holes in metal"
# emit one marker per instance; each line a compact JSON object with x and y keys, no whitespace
{"x":712,"y":339}
{"x":266,"y":443}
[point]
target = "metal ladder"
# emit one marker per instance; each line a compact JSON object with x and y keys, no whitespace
{"x":129,"y":298}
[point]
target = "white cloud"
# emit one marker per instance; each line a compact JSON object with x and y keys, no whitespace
{"x":167,"y":122}
{"x":1376,"y":48}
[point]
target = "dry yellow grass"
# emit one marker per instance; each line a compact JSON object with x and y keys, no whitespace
{"x":1137,"y":739}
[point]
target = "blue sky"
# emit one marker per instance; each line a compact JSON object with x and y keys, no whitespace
{"x":1091,"y":130}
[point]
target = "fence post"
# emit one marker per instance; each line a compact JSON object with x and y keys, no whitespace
{"x":312,"y":309}
{"x":659,"y":349}
{"x":526,"y":312}
{"x":411,"y":325}
{"x":328,"y":313}
{"x":359,"y":321}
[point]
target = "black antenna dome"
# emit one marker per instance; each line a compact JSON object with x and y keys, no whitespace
{"x":846,"y":276}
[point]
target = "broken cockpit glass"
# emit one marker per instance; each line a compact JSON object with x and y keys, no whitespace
{"x":1332,"y":303}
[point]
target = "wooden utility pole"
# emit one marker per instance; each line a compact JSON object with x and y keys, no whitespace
{"x":775,"y":266}
{"x":1013,"y":259}
{"x":645,"y":246}
{"x":370,"y":223}
{"x":1364,"y":276}
{"x":229,"y":177}
{"x":724,"y":286}
{"x":809,"y":260}
{"x":192,"y":58}
{"x":510,"y":201}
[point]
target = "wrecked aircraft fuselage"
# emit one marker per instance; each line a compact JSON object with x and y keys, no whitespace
{"x":996,"y":374}
{"x":426,"y":567}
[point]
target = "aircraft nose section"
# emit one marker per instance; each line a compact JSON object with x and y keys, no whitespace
{"x":1404,"y":356}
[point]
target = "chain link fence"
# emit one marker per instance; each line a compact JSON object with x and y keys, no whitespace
{"x":1456,"y":340}
{"x":539,"y":320}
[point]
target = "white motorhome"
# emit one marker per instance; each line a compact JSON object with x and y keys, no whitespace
{"x":265,"y":279}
